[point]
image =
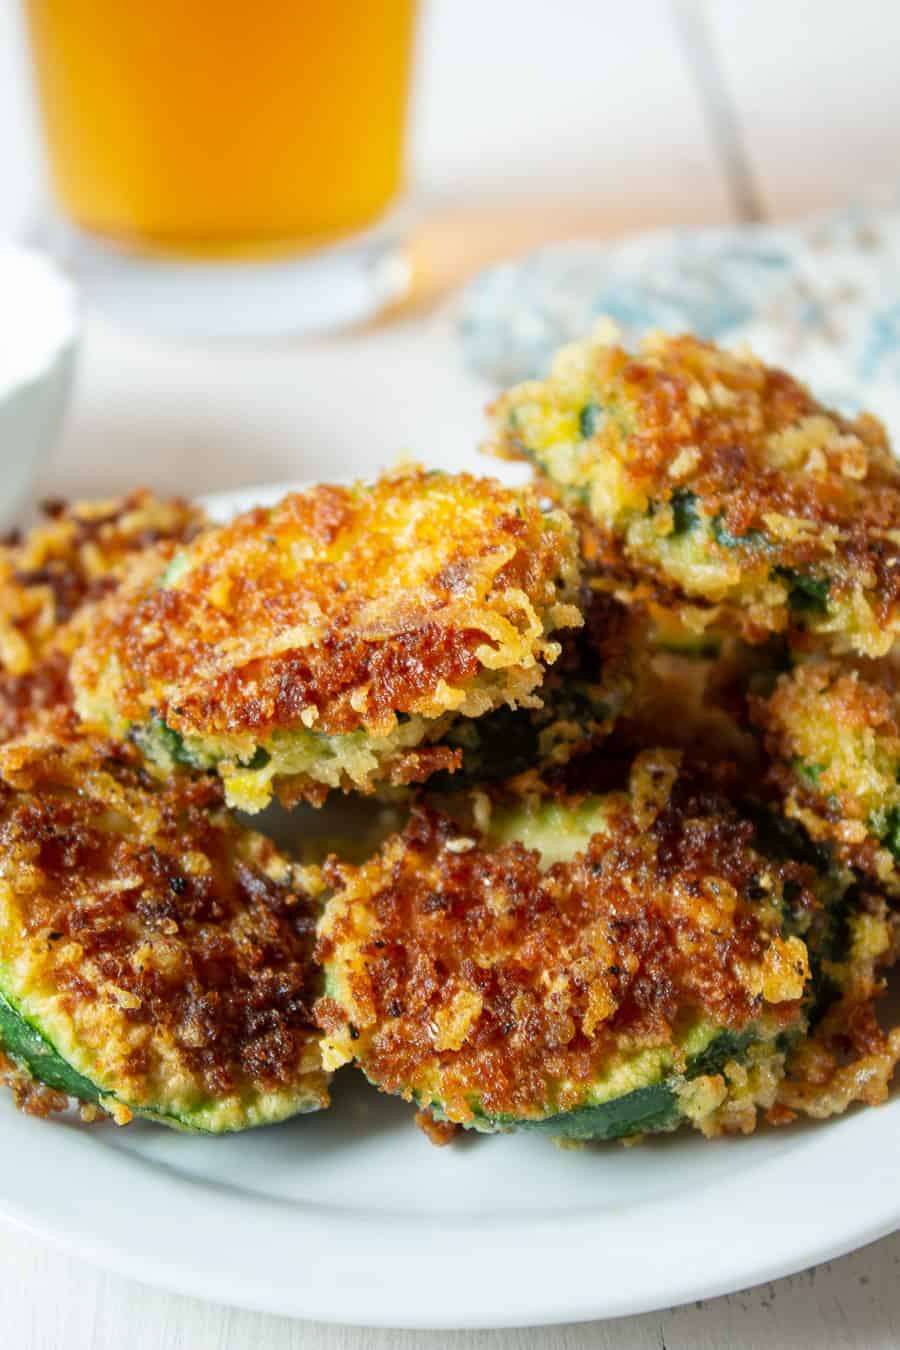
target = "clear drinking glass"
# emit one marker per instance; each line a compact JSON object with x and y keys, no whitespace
{"x":228,"y":165}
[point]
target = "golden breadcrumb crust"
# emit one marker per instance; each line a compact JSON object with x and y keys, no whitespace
{"x":167,"y":948}
{"x":48,"y":574}
{"x":463,"y":973}
{"x":706,"y":478}
{"x":849,"y":1056}
{"x":833,"y":738}
{"x":340,"y":608}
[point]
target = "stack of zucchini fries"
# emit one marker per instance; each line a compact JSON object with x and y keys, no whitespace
{"x":620,"y":751}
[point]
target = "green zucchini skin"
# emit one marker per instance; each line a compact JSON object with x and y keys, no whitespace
{"x":507,"y":741}
{"x":28,"y":1046}
{"x":647,"y":1110}
{"x":30,"y":1049}
{"x":652,"y":1109}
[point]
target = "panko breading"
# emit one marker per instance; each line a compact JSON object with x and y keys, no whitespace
{"x":332,"y":640}
{"x":833,"y":736}
{"x":719,"y":485}
{"x":47,"y":577}
{"x":848,"y":1056}
{"x":572,"y":953}
{"x":154,"y":955}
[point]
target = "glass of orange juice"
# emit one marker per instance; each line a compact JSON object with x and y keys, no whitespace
{"x":226,"y":166}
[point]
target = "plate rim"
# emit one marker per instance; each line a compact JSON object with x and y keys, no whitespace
{"x":343,"y":1249}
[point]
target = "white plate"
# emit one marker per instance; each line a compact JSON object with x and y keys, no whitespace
{"x":352,"y":1216}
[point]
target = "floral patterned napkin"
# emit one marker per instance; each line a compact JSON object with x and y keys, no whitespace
{"x":820,"y":297}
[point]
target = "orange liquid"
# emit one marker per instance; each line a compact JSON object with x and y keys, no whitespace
{"x":217,"y":127}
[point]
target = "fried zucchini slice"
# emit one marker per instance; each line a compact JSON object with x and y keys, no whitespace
{"x":833,"y":735}
{"x":590,"y":966}
{"x":154,"y":955}
{"x":333,"y":640}
{"x":78,"y":554}
{"x":712,"y":481}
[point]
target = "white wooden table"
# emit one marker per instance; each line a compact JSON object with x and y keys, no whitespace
{"x":667,"y":112}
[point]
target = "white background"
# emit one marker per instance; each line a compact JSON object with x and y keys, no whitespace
{"x":625,"y":115}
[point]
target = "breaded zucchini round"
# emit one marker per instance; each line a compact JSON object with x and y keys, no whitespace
{"x":710,"y":479}
{"x":48,"y":576}
{"x":592,"y":966}
{"x":154,"y":955}
{"x":332,"y":640}
{"x":833,"y":736}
